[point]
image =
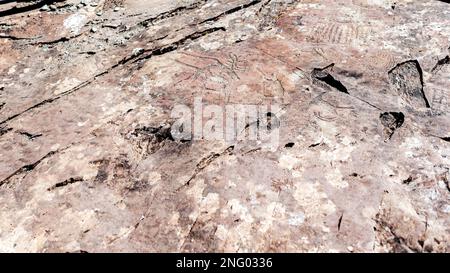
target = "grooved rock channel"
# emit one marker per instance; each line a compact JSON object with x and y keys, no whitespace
{"x":357,"y":94}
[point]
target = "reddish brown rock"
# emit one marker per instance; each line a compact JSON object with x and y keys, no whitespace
{"x":357,"y":89}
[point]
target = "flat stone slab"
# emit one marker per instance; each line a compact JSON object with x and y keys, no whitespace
{"x":353,"y":94}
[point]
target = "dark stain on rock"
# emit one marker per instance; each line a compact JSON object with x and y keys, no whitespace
{"x":289,"y":145}
{"x":151,"y":139}
{"x":102,"y":172}
{"x":161,"y":133}
{"x":391,"y":122}
{"x":408,"y":180}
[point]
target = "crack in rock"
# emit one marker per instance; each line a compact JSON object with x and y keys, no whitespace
{"x":323,"y":75}
{"x":440,"y":64}
{"x":171,"y":13}
{"x":29,"y":135}
{"x":69,"y":181}
{"x":231,"y":11}
{"x":27,"y":168}
{"x":407,"y":79}
{"x":205,"y":162}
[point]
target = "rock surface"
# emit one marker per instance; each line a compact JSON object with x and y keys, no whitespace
{"x":88,"y":162}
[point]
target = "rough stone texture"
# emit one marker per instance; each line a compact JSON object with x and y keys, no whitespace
{"x":87,"y":90}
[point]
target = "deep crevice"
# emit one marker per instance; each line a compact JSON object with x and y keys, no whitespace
{"x":324,"y":76}
{"x":15,"y":38}
{"x":340,"y":222}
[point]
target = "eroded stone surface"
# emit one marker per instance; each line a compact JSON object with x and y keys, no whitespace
{"x":86,"y":95}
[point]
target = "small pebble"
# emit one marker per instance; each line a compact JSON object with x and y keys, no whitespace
{"x":45,"y":8}
{"x":137,"y":51}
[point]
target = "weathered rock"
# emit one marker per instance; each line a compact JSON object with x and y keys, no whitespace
{"x":89,"y":162}
{"x":407,"y":79}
